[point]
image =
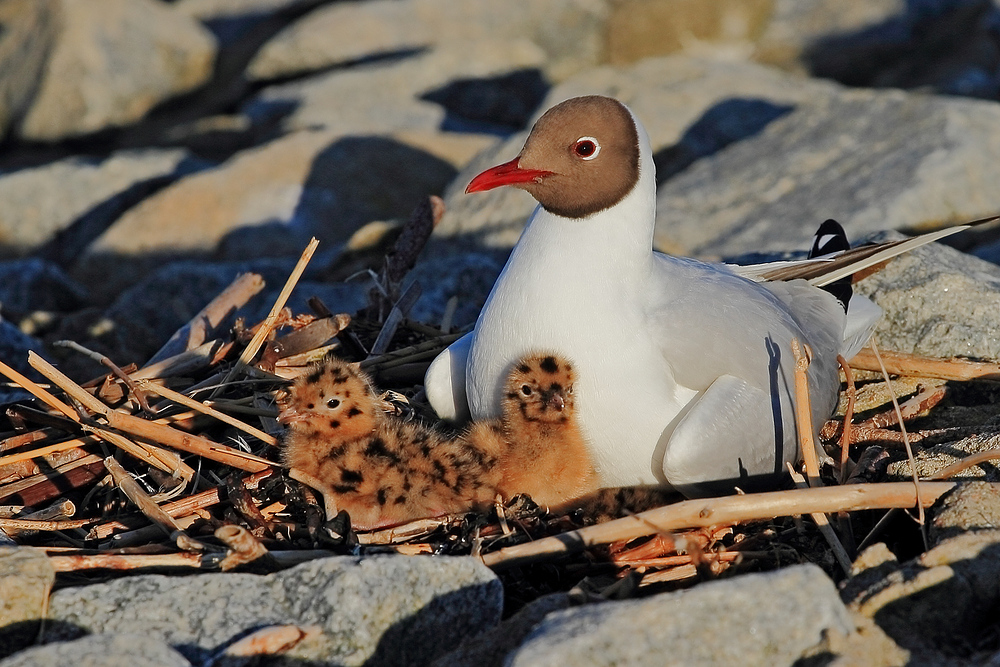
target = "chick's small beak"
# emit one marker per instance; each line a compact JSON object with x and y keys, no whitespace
{"x":290,"y":415}
{"x":557,"y":402}
{"x":508,"y":173}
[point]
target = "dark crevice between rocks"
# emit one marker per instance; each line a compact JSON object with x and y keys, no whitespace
{"x":950,"y":47}
{"x":499,"y":105}
{"x":67,"y":245}
{"x":725,"y":123}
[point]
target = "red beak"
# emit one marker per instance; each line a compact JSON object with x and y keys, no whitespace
{"x":508,"y":173}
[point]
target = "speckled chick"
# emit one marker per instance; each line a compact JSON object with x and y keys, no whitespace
{"x":542,"y":451}
{"x":382,"y":470}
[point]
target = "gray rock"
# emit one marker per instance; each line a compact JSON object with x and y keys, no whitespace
{"x":490,"y":649}
{"x":229,"y":20}
{"x":387,"y":610}
{"x":33,"y":284}
{"x":112,"y":61}
{"x":871,"y":160}
{"x":408,"y":93}
{"x":29,"y":30}
{"x":26,"y":578}
{"x":933,"y":459}
{"x":974,"y":506}
{"x":302,"y":185}
{"x":69,"y":195}
{"x":469,"y":277}
{"x":103,"y":650}
{"x":143,"y":317}
{"x":682,"y":628}
{"x":947,"y":46}
{"x":569,"y":31}
{"x":936,"y":605}
{"x":938,"y":302}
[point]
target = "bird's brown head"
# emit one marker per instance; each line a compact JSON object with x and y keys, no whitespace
{"x":539,"y":388}
{"x":581,"y":157}
{"x":332,"y":398}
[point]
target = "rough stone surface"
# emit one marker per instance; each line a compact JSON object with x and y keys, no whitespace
{"x":871,"y":160}
{"x":490,"y":649}
{"x":938,"y":302}
{"x":33,"y":284}
{"x":112,"y":61}
{"x":932,"y":460}
{"x":302,"y":185}
{"x":938,"y":605}
{"x":103,"y":650}
{"x":682,"y":628}
{"x":406,"y":93}
{"x":26,"y":578}
{"x":29,"y":30}
{"x":569,"y":31}
{"x":34,"y":211}
{"x":971,"y":507}
{"x":389,"y":610}
{"x":639,"y":29}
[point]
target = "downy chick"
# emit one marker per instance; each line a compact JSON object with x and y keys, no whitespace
{"x":382,"y":470}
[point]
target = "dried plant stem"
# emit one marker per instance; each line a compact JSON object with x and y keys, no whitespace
{"x":243,"y":547}
{"x":134,"y":492}
{"x":406,"y":354}
{"x":900,"y":363}
{"x":115,"y":369}
{"x":825,"y":529}
{"x":906,"y":441}
{"x":21,"y":486}
{"x":723,"y":511}
{"x":43,"y":525}
{"x":204,"y":324}
{"x":268,"y":324}
{"x":74,"y":563}
{"x":966,"y":463}
{"x":11,"y":459}
{"x":803,"y":413}
{"x":180,"y":364}
{"x":845,"y":436}
{"x":38,"y":392}
{"x":187,"y":402}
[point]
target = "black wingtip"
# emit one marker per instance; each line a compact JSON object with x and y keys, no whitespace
{"x":831,"y":237}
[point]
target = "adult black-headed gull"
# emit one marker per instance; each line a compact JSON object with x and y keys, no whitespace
{"x":685,"y":370}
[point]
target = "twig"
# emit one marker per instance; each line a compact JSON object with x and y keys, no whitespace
{"x":405,"y":353}
{"x":803,"y":413}
{"x":74,"y":474}
{"x":268,"y":324}
{"x":38,"y":392}
{"x":243,"y":547}
{"x":43,"y":525}
{"x":823,"y":523}
{"x":134,"y":492}
{"x":966,"y":463}
{"x":720,"y":511}
{"x":845,"y":436}
{"x":181,"y":399}
{"x":204,"y":324}
{"x":115,"y":369}
{"x":906,"y":441}
{"x":900,"y":363}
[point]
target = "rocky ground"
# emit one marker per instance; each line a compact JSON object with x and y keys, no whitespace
{"x":153,"y":150}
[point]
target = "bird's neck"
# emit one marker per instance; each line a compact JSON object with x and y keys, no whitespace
{"x":616,"y":241}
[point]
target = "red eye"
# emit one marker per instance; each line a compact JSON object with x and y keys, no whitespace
{"x":586,"y":148}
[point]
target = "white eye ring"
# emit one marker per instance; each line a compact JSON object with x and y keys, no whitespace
{"x":597,"y":148}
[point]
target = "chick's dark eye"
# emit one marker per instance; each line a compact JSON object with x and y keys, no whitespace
{"x":526,"y":390}
{"x":586,"y":148}
{"x":333,"y":403}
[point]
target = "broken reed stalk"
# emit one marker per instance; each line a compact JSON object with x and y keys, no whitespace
{"x":65,"y":471}
{"x":803,"y":412}
{"x":115,"y":370}
{"x":825,"y":529}
{"x":204,"y":324}
{"x":914,"y":365}
{"x":414,"y":352}
{"x":134,"y":492}
{"x":39,"y":393}
{"x":149,"y":430}
{"x":188,"y":402}
{"x":966,"y":463}
{"x":723,"y":511}
{"x":906,"y":441}
{"x":268,"y":324}
{"x":845,"y":435}
{"x":75,"y":563}
{"x":43,"y":525}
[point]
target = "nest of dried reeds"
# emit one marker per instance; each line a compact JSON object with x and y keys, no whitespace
{"x":174,"y":466}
